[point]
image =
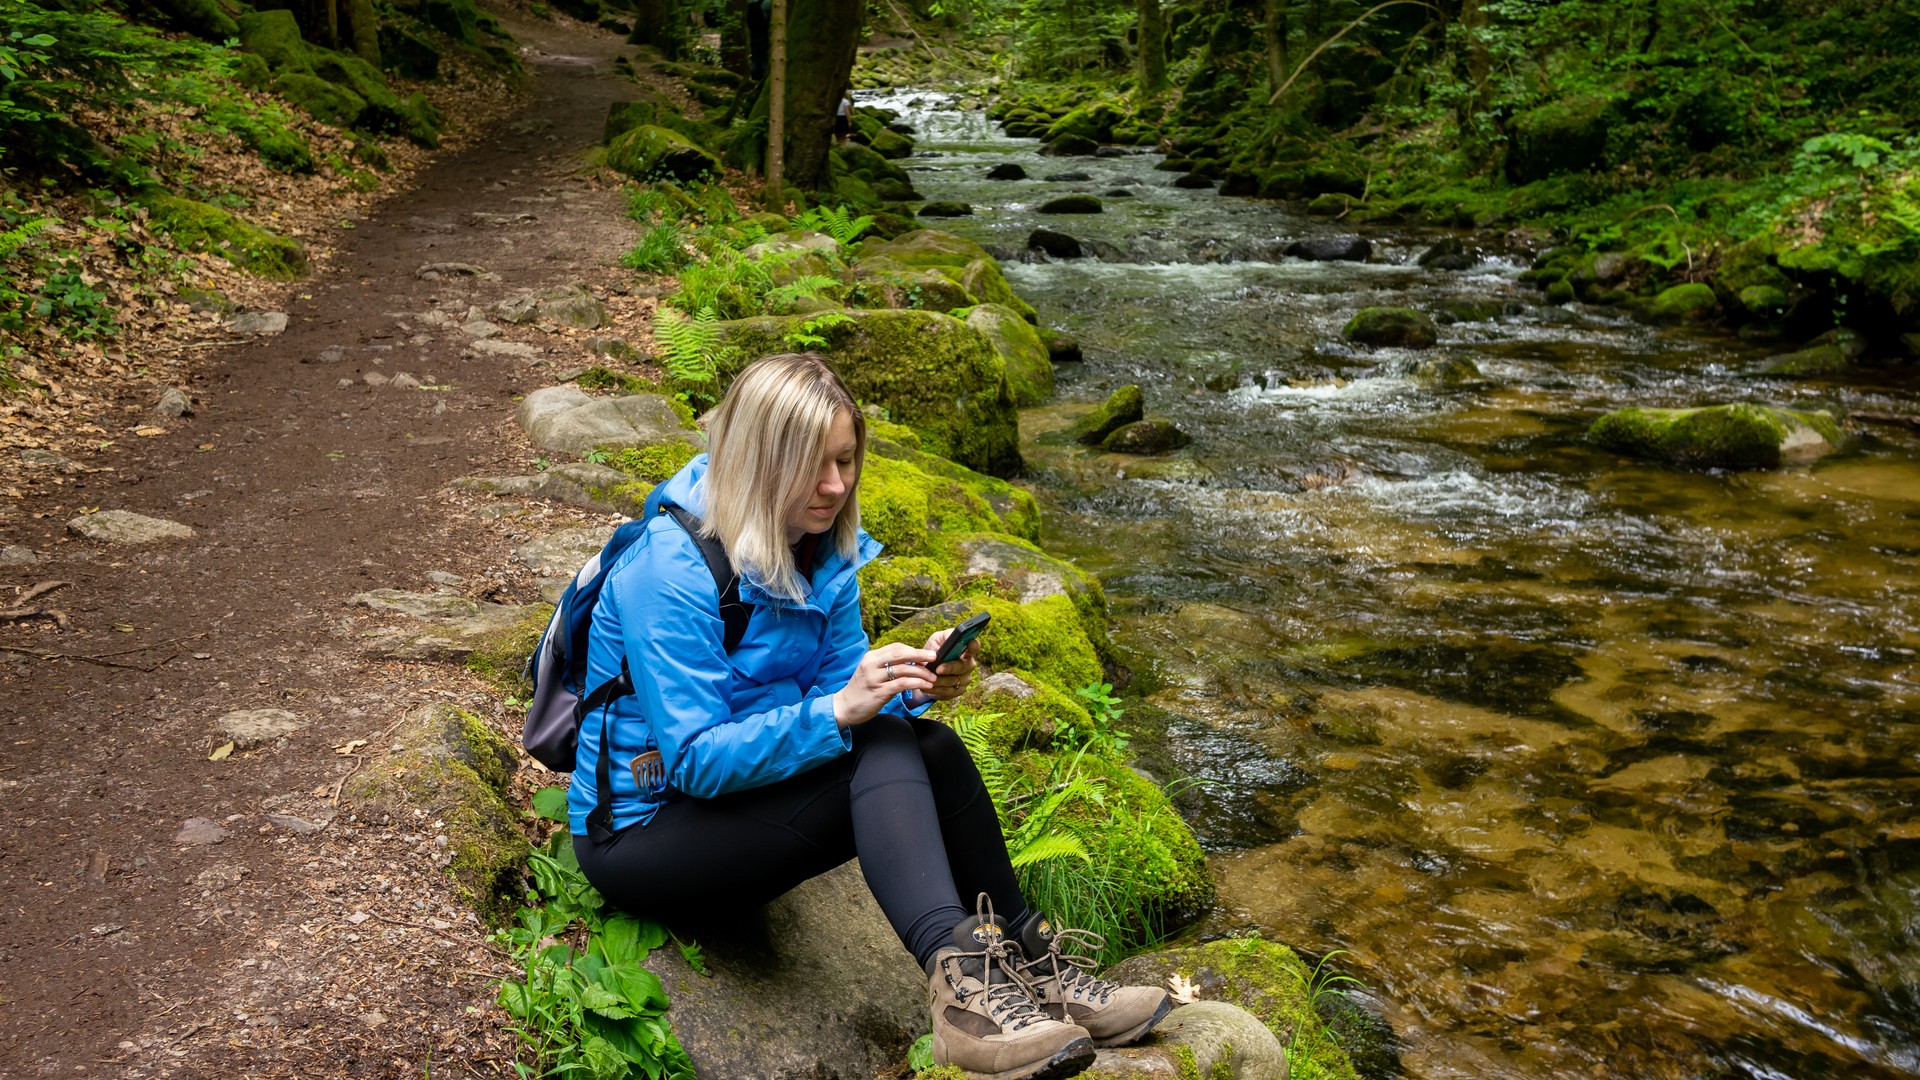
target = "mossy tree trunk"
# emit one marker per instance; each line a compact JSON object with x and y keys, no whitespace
{"x":1275,"y":35}
{"x":656,"y":23}
{"x":777,"y":109}
{"x":1151,"y":59}
{"x":735,"y":54}
{"x":366,"y":30}
{"x":821,"y":38}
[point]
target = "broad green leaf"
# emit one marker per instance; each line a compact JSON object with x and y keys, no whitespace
{"x":551,"y":803}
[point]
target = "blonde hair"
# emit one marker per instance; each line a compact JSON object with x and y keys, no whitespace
{"x":765,"y":443}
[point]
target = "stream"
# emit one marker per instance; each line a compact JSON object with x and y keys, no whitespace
{"x":1593,"y":767}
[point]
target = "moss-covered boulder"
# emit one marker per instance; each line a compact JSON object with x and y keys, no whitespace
{"x":1092,"y":123}
{"x":1691,"y":302}
{"x":1269,"y":981}
{"x":320,"y":99}
{"x":1564,"y":136}
{"x":274,"y":36}
{"x":1392,"y":327}
{"x":1721,"y":436}
{"x":1446,"y":373}
{"x":884,"y":283}
{"x":930,"y":371}
{"x":1808,"y":363}
{"x":891,"y":144}
{"x":453,"y":766}
{"x":1013,"y":568}
{"x":654,"y":153}
{"x":200,"y":226}
{"x":1044,"y":636}
{"x":1122,"y":407}
{"x":1072,"y":204}
{"x":942,"y":209}
{"x":1014,"y":508}
{"x":966,"y":262}
{"x":407,"y":54}
{"x":1029,"y":368}
{"x":1018,"y":711}
{"x":915,"y":511}
{"x":1146,"y":437}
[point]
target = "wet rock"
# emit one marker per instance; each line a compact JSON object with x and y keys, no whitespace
{"x":1118,"y":193}
{"x":1330,"y":249}
{"x":1029,"y":368}
{"x":1146,"y":437}
{"x":1691,"y":302}
{"x":1021,"y":571}
{"x":196,"y":831}
{"x":16,"y":555}
{"x":1062,"y":348}
{"x":595,"y":487}
{"x":1193,"y":182}
{"x":258,"y":323}
{"x":1007,"y":171}
{"x":127,"y":527}
{"x":1057,"y":244}
{"x":566,"y":305}
{"x":1071,"y":176}
{"x":1811,"y":362}
{"x":1446,"y":373}
{"x":1071,"y":146}
{"x":1467,"y":311}
{"x":174,"y":402}
{"x":1212,"y":1039}
{"x":1448,"y":254}
{"x":945,"y":209}
{"x":1392,"y":327}
{"x":1122,"y":407}
{"x":568,"y":419}
{"x":562,"y":553}
{"x":1072,"y":204}
{"x":248,"y":728}
{"x":1722,"y":436}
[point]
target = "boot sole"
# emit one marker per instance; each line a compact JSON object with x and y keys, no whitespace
{"x":1139,"y":1031}
{"x":1072,"y":1060}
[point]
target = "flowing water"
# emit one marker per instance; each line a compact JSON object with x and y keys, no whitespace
{"x":1595,"y":768}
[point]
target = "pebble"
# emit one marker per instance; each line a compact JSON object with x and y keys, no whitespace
{"x":404,"y":381}
{"x":199,"y":830}
{"x":15,"y":555}
{"x":481,"y":328}
{"x":299,"y":826}
{"x":344,"y":383}
{"x":174,"y":402}
{"x":248,"y":728}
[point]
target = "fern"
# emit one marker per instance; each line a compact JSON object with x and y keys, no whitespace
{"x":12,"y":242}
{"x":17,"y":237}
{"x":836,"y":222}
{"x":804,"y":287}
{"x":691,"y":350}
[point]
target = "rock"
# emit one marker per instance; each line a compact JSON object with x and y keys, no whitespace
{"x":198,"y":831}
{"x":441,"y":577}
{"x":258,"y":323}
{"x":1446,"y":373}
{"x":1062,"y":347}
{"x":1071,"y":146}
{"x":1029,"y":367}
{"x":127,"y":527}
{"x":570,"y":420}
{"x":422,"y":605}
{"x":562,"y":553}
{"x":1146,"y":437}
{"x":1008,"y":171}
{"x":248,"y":728}
{"x":1057,"y":244}
{"x":1392,"y":327}
{"x":1212,"y":1039}
{"x":496,"y":639}
{"x":1763,"y":301}
{"x":174,"y":402}
{"x":946,"y":209}
{"x":1071,"y":176}
{"x":1330,"y":204}
{"x":403,"y":381}
{"x":1330,"y":249}
{"x":741,"y":1020}
{"x":1193,"y":182}
{"x":1071,"y":204}
{"x":650,"y":154}
{"x":1691,"y":302}
{"x":1020,"y":571}
{"x":884,"y":282}
{"x":1093,"y":122}
{"x":299,"y":826}
{"x":219,"y":877}
{"x":1721,"y":436}
{"x":1118,"y":193}
{"x":1810,"y":362}
{"x":595,"y":487}
{"x":1448,"y":254}
{"x":1459,"y":311}
{"x":1122,"y":407}
{"x":451,"y":269}
{"x":16,"y":555}
{"x":480,"y":328}
{"x":617,"y":348}
{"x":567,"y":305}
{"x":519,"y":349}
{"x":34,"y":455}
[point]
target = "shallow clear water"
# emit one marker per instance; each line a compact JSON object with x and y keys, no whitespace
{"x":1596,"y":768}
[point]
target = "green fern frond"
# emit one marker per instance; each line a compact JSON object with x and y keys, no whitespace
{"x":12,"y":240}
{"x":1051,"y":846}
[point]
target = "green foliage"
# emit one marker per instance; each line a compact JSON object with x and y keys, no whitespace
{"x":1323,"y":983}
{"x":1103,"y":738}
{"x":816,"y":332}
{"x":692,"y":352}
{"x":662,"y":250}
{"x":837,"y":222}
{"x":583,"y":1004}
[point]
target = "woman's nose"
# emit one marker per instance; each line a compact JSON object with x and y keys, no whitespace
{"x":831,"y":483}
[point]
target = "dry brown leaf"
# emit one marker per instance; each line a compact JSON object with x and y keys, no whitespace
{"x":224,"y":752}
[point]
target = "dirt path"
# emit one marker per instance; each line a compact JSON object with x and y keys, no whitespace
{"x":130,"y":945}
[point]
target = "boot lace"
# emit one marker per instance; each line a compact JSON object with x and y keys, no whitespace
{"x":1071,"y":974}
{"x":1010,"y":997}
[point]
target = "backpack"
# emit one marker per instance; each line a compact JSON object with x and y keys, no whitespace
{"x":560,"y":701}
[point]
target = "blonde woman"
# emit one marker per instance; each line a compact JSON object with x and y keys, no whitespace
{"x":738,"y":773}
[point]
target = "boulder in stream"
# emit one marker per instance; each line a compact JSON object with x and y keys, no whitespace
{"x":1029,"y":367}
{"x":1071,"y":146}
{"x":1057,"y":244}
{"x":1740,"y":436}
{"x":1449,"y":254}
{"x":1072,"y":204}
{"x":1691,"y":302}
{"x":1193,"y":182}
{"x":1071,"y":176}
{"x":946,"y":209}
{"x":1146,"y":437}
{"x":1062,"y":347}
{"x":1330,"y":249}
{"x":1122,"y":407}
{"x":1392,"y":327}
{"x":1810,"y":362}
{"x":1007,"y":171}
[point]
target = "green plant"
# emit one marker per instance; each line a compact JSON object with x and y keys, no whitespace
{"x":804,"y":287}
{"x":814,"y":333}
{"x":836,"y":222}
{"x":13,"y":243}
{"x":662,"y":250}
{"x":1322,"y":983}
{"x":1104,"y":739}
{"x":583,"y":1004}
{"x":692,"y":351}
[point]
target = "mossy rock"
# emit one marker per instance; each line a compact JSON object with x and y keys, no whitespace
{"x":500,"y":655}
{"x":866,"y":162}
{"x":894,"y":191}
{"x":966,"y":262}
{"x":1122,"y":407}
{"x":408,"y":55}
{"x":891,"y":144}
{"x":984,"y":279}
{"x":1044,"y":636}
{"x":885,"y":283}
{"x":913,"y":511}
{"x":652,"y":153}
{"x":1763,"y":301}
{"x":1691,"y":302}
{"x":450,"y":764}
{"x":1018,"y":513}
{"x":1564,"y":136}
{"x":1811,"y":362}
{"x":1330,"y":204}
{"x":1029,"y":368}
{"x":653,"y":464}
{"x":1145,"y":437}
{"x":1446,"y":373}
{"x":1721,"y":436}
{"x":1272,"y":983}
{"x":1392,"y":327}
{"x":930,"y":371}
{"x":274,"y":36}
{"x":1013,"y":568}
{"x":199,"y":226}
{"x":1071,"y":146}
{"x":1093,"y":123}
{"x":1072,"y":204}
{"x":893,"y":588}
{"x":320,"y":99}
{"x":1018,"y":711}
{"x":202,"y":18}
{"x":943,"y":209}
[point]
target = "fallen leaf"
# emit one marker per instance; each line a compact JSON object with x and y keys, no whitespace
{"x":124,"y":628}
{"x":1184,"y":990}
{"x":225,"y":752}
{"x":349,"y":746}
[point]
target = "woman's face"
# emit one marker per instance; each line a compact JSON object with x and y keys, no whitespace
{"x":833,"y":479}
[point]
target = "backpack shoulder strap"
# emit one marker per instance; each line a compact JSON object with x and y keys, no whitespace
{"x":734,"y":612}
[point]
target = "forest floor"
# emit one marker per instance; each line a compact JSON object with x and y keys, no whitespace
{"x":165,"y":914}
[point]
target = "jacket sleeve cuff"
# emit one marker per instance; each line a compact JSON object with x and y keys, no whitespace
{"x":820,"y":713}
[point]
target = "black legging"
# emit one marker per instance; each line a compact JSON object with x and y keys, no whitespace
{"x":906,"y":799}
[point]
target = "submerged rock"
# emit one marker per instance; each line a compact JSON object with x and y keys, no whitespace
{"x":1071,"y":176}
{"x":1392,"y":327}
{"x":1062,"y":347}
{"x":1810,"y":362}
{"x":1007,"y":171}
{"x":1330,"y":249}
{"x":946,"y":209}
{"x":1446,"y":373}
{"x":1057,"y":244}
{"x":1072,"y":204}
{"x":1193,"y":182}
{"x":1122,"y":407}
{"x":1448,"y":254}
{"x":1721,"y":436}
{"x":1146,"y":437}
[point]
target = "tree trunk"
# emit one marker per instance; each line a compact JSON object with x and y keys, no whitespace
{"x":365,"y":26}
{"x":1151,"y":59}
{"x":735,"y":54}
{"x":820,"y":41}
{"x":777,"y":110}
{"x":1276,"y":41}
{"x":653,"y":24}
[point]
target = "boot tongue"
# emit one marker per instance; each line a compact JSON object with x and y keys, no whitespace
{"x":1036,"y":937}
{"x":975,"y":934}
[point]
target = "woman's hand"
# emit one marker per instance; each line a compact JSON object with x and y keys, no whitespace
{"x":951,"y":677}
{"x":881,"y":674}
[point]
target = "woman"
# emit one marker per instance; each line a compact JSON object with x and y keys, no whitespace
{"x":737,"y":775}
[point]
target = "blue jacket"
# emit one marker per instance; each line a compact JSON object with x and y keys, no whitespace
{"x":721,"y":723}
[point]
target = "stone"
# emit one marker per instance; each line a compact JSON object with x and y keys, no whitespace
{"x":1691,"y":302}
{"x":1448,"y":254}
{"x":197,"y":831}
{"x":258,"y":323}
{"x":1446,"y":373}
{"x":1022,"y":572}
{"x":1119,"y":193}
{"x":885,"y":282}
{"x":174,"y":402}
{"x":1056,"y":244}
{"x":1008,"y":171}
{"x":570,"y":420}
{"x":1330,"y":249}
{"x":404,"y":381}
{"x":1212,"y":1039}
{"x":518,"y":349}
{"x":451,"y":269}
{"x":495,"y":630}
{"x":566,"y":305}
{"x":1193,"y":182}
{"x":1071,"y":146}
{"x":1062,"y":347}
{"x":1330,"y":204}
{"x":1811,"y":362}
{"x":219,"y":877}
{"x":442,"y":577}
{"x":563,"y":552}
{"x":594,"y":487}
{"x":16,"y":555}
{"x":741,"y":1021}
{"x":651,"y":154}
{"x":1392,"y":327}
{"x":1029,"y":367}
{"x":248,"y":728}
{"x":433,"y":605}
{"x":480,"y":328}
{"x":945,"y":209}
{"x":1072,"y":204}
{"x":127,"y":527}
{"x":299,"y":826}
{"x":1739,"y":436}
{"x":1146,"y":437}
{"x":1122,"y":407}
{"x":1071,"y":176}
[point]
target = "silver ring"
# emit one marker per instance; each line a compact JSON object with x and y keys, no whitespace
{"x":889,"y":671}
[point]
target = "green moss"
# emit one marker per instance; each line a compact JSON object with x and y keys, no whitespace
{"x":653,"y":153}
{"x":1722,"y":436}
{"x":1044,"y":637}
{"x":1049,"y":717}
{"x":1683,"y":303}
{"x":1188,"y":1065}
{"x":654,"y":463}
{"x":321,"y":99}
{"x":1029,"y":369}
{"x":1392,"y":327}
{"x":274,"y":36}
{"x":893,"y":588}
{"x":501,"y":659}
{"x":1810,"y":362}
{"x":1568,"y":135}
{"x":1015,"y":508}
{"x":1122,"y":407}
{"x":200,"y":226}
{"x":899,"y":434}
{"x":1094,"y":122}
{"x":492,"y":758}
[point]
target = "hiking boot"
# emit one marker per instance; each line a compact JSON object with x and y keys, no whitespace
{"x":1066,"y":988}
{"x":984,"y":1020}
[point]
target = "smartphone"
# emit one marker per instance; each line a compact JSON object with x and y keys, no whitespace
{"x":961,"y":637}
